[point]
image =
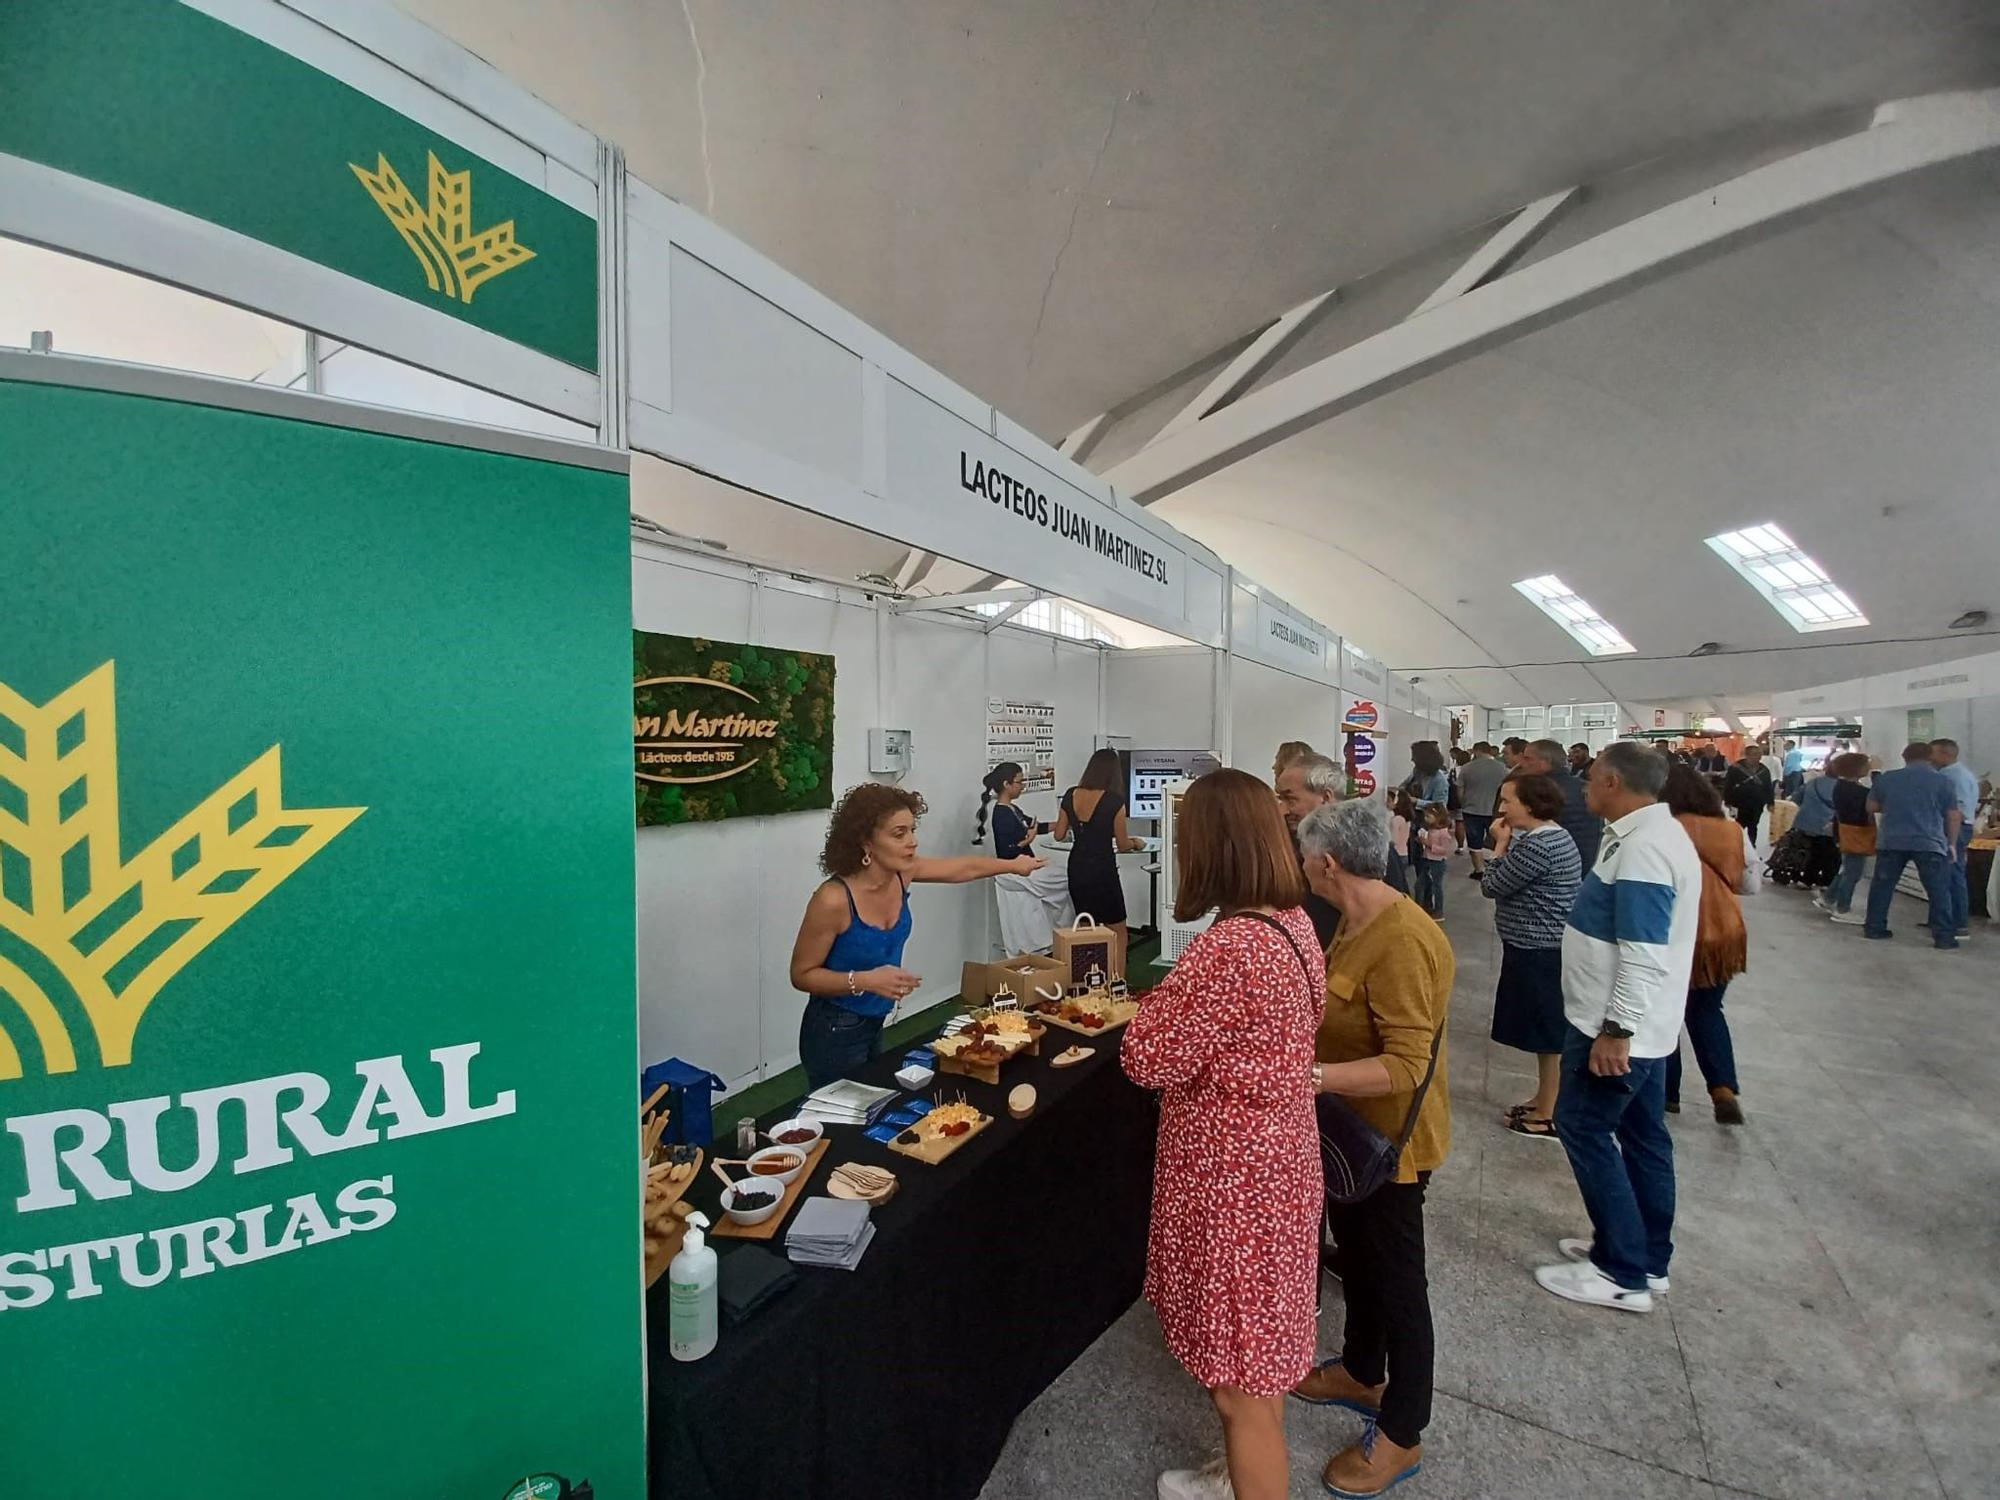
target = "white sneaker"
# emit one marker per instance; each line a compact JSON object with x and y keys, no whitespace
{"x":1820,"y":902}
{"x":1580,"y":1281}
{"x":1850,"y":919}
{"x":1209,"y":1482}
{"x":1580,"y":1250}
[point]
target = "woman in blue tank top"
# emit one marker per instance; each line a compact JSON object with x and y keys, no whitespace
{"x":849,"y":953}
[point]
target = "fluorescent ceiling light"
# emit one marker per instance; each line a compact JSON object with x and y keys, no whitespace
{"x":1573,"y":612}
{"x":1797,"y":587}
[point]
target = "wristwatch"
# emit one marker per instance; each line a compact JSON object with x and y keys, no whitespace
{"x":1613,"y":1030}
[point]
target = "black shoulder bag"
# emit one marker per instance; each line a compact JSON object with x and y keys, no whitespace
{"x":1355,"y":1156}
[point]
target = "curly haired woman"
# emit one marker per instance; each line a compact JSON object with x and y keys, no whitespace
{"x":849,"y":953}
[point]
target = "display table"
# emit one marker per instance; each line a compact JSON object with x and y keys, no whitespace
{"x":989,"y":1273}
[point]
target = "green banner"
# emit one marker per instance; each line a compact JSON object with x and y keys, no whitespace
{"x":724,"y":730}
{"x":318,"y":1168}
{"x":171,"y":105}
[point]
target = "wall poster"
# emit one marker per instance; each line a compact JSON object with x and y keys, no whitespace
{"x":1023,"y":732}
{"x":292,"y":902}
{"x":725,"y":730}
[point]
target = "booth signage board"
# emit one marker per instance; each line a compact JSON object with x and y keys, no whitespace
{"x":726,"y":730}
{"x":1287,"y":641}
{"x":1361,"y":714}
{"x":1364,"y":783}
{"x":1024,"y":733}
{"x":315,"y":834}
{"x":1363,"y":750}
{"x":174,"y":106}
{"x":1361,"y":673}
{"x":955,"y":490}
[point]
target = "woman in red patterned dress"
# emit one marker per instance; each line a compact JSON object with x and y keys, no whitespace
{"x":1232,"y":1264}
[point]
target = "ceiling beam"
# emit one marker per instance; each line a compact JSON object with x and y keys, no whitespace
{"x":1491,"y":259}
{"x":1023,"y":597}
{"x":1076,"y":447}
{"x":1241,"y":372}
{"x":994,"y":622}
{"x":1904,"y":137}
{"x":1726,"y":712}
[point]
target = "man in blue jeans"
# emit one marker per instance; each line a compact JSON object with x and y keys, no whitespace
{"x":1919,"y":823}
{"x":1944,"y":755}
{"x":1627,"y":954}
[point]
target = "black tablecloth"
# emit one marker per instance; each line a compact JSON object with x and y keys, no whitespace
{"x":989,"y":1273}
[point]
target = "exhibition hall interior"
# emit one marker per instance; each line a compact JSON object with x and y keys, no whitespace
{"x":1313,"y":697}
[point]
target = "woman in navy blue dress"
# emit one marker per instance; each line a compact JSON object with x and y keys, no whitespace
{"x":1013,"y":830}
{"x":1094,"y":811}
{"x":849,"y":954}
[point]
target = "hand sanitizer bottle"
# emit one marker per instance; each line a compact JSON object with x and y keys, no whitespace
{"x":691,"y":1300}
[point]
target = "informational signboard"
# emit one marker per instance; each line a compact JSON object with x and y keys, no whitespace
{"x":184,"y":110}
{"x":1361,"y":714}
{"x":1363,"y":783}
{"x":1363,"y":749}
{"x":1024,"y":733}
{"x":1155,"y":770}
{"x":725,"y":730}
{"x":317,"y":1038}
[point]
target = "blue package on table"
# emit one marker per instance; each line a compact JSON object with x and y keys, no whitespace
{"x":919,"y":1107}
{"x":903,"y":1117}
{"x":882,"y":1133}
{"x":689,"y":1092}
{"x":922,"y":1057}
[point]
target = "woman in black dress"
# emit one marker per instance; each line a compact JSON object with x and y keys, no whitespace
{"x":1094,"y":811}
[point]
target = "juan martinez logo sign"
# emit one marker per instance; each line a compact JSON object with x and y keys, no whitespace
{"x":1066,"y":522}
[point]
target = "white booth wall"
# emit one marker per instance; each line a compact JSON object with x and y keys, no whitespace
{"x":1268,"y":707}
{"x":719,"y":903}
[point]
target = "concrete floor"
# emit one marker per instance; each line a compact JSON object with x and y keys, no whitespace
{"x":1834,"y":1327}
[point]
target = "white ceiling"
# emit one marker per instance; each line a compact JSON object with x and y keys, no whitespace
{"x":1063,"y":204}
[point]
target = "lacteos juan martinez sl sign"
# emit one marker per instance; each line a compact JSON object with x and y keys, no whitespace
{"x":723,"y":730}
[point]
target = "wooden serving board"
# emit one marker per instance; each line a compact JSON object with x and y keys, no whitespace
{"x":1119,"y":1014}
{"x":935,"y":1151}
{"x":990,"y":1072}
{"x":678,"y":1183}
{"x":729,"y":1229}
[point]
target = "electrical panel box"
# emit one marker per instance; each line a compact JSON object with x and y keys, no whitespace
{"x":888,"y":752}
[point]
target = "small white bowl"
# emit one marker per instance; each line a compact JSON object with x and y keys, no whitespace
{"x":814,"y":1127}
{"x":915,"y":1076}
{"x":749,"y":1216}
{"x":778,"y":1179}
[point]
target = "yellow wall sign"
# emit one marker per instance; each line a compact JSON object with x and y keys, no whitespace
{"x":118,"y":930}
{"x":455,"y":258}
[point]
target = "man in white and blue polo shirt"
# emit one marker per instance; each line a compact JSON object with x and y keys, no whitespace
{"x":1627,"y":952}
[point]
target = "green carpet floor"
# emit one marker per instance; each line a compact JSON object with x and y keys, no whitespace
{"x":774,"y":1093}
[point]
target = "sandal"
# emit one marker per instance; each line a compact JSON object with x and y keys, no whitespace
{"x":1541,"y":1130}
{"x":1516,"y":1112}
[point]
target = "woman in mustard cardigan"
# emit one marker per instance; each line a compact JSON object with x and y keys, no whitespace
{"x":1388,"y":992}
{"x":1722,"y":947}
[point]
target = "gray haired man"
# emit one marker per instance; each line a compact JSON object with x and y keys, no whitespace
{"x":1304,"y":787}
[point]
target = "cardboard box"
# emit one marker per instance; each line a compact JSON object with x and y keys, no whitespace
{"x":1085,"y":947}
{"x":1018,"y":975}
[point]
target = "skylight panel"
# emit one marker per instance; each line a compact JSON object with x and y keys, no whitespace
{"x":1795,"y":586}
{"x":1574,"y":613}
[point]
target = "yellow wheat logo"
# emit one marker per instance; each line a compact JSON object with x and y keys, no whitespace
{"x":112,"y":932}
{"x":456,"y":261}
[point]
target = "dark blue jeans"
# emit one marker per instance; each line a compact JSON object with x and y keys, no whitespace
{"x":1714,"y":1054}
{"x":835,"y":1042}
{"x":1934,"y":869}
{"x":1840,"y":895}
{"x":1429,"y":885}
{"x":1615,"y":1131}
{"x":1956,"y":883}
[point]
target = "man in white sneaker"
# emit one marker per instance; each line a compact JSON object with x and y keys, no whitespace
{"x":1627,"y":953}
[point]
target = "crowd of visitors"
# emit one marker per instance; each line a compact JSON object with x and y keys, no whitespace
{"x":1300,"y":1043}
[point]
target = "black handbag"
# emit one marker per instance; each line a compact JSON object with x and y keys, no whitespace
{"x":1356,"y":1157}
